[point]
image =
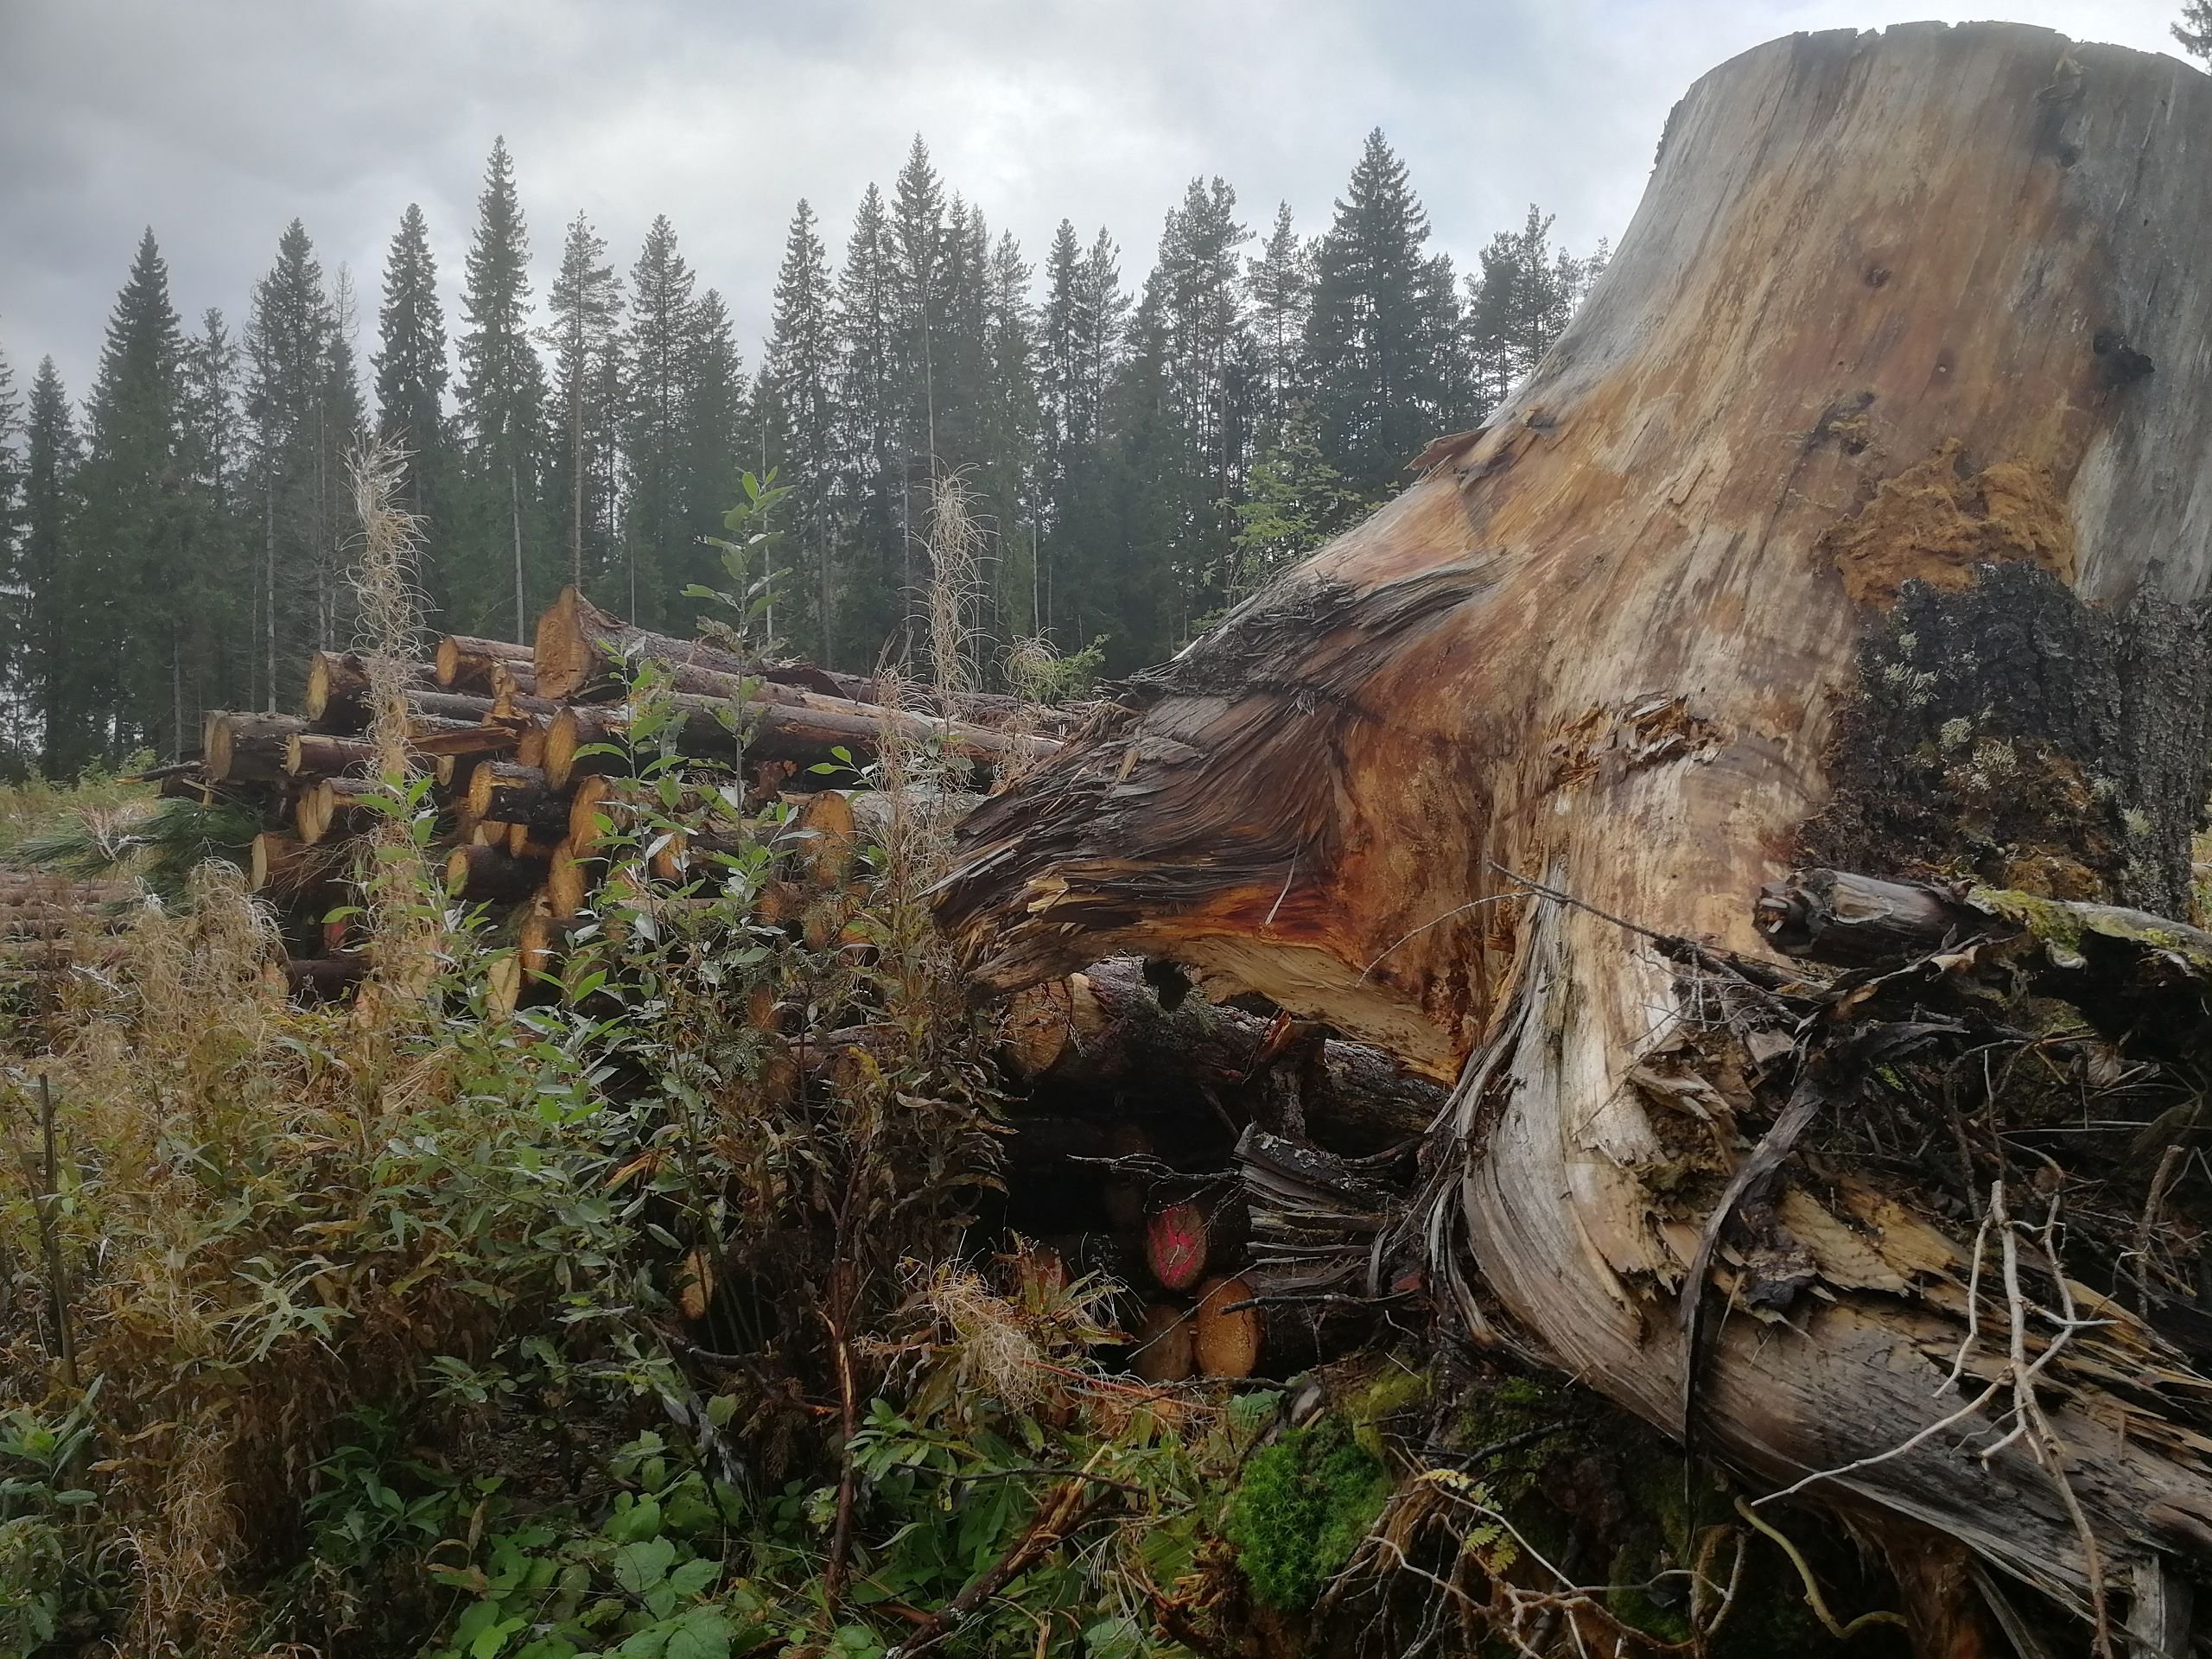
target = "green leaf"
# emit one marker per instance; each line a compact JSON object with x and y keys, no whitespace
{"x":640,"y":1566}
{"x":692,"y":1577}
{"x":704,"y":1634}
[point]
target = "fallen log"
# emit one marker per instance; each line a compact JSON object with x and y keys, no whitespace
{"x":1856,"y":520}
{"x":247,"y":748}
{"x":1105,"y":1028}
{"x":338,"y":694}
{"x":465,"y":663}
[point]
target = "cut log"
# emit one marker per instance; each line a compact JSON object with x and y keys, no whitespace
{"x":537,"y":841}
{"x":288,"y":870}
{"x":489,"y":875}
{"x":247,"y":748}
{"x":568,"y":882}
{"x":1176,"y":1244}
{"x":324,"y":979}
{"x":514,"y":680}
{"x":1226,"y":1337}
{"x":1104,"y":1028}
{"x":1165,"y":1348}
{"x":323,"y":754}
{"x":819,"y":838}
{"x":516,"y":794}
{"x":338,"y":697}
{"x":574,"y":731}
{"x":334,"y":806}
{"x":465,"y":663}
{"x":1856,"y":520}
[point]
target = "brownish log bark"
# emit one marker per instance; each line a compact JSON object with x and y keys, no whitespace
{"x":489,"y":875}
{"x":465,"y":663}
{"x":1105,"y":1029}
{"x":517,"y":794}
{"x":338,"y":688}
{"x":1872,"y":476}
{"x":1227,"y":1334}
{"x":247,"y":748}
{"x":1164,"y":1348}
{"x":334,"y":806}
{"x":323,"y":754}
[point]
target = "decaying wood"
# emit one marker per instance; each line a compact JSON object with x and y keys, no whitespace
{"x":1870,"y":479}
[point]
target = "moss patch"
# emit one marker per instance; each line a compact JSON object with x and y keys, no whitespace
{"x":1300,"y":1511}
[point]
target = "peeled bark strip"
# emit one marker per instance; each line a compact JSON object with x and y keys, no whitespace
{"x":1906,"y":323}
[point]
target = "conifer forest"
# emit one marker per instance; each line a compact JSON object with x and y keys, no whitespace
{"x":1323,"y":951}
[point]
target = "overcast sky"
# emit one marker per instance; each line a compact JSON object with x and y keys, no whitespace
{"x":218,"y":121}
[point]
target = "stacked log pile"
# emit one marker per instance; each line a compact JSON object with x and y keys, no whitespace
{"x":1126,"y":1159}
{"x":524,"y":745}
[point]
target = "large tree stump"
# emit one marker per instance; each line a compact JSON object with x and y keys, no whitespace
{"x":1869,"y":495}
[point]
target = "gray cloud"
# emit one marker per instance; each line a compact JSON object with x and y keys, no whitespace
{"x":219,"y":122}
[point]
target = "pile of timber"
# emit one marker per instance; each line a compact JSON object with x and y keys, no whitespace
{"x":52,"y":922}
{"x":525,"y":745}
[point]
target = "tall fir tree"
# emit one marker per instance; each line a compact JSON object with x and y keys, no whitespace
{"x":2195,"y":29}
{"x":411,"y":373}
{"x":798,"y":412}
{"x":870,"y":603}
{"x":1520,"y":303}
{"x":1008,"y":468}
{"x":289,"y":344}
{"x":1381,"y":343}
{"x":501,"y":401}
{"x":1279,"y":290}
{"x":13,"y":623}
{"x":52,"y":455}
{"x":657,"y":356}
{"x":1079,"y":345}
{"x":339,"y":419}
{"x":714,"y":420}
{"x":586,"y":305}
{"x":917,"y":259}
{"x":218,"y":668}
{"x":129,"y":534}
{"x":1185,"y":429}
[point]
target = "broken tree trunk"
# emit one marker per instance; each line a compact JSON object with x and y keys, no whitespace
{"x":1860,"y":517}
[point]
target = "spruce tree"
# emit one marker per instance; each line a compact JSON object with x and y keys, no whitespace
{"x":658,"y":359}
{"x":339,"y":419}
{"x":12,"y":621}
{"x":713,"y":416}
{"x":217,"y":669}
{"x":798,"y":414}
{"x":289,"y":348}
{"x":501,"y":401}
{"x":1009,"y":461}
{"x":918,"y":258}
{"x":411,"y":374}
{"x":128,"y":533}
{"x":1080,"y":340}
{"x":870,"y":603}
{"x":1279,"y":288}
{"x":585,"y":304}
{"x":1184,"y":432}
{"x":1381,"y":342}
{"x":52,"y":455}
{"x":1520,"y":303}
{"x":2195,"y":29}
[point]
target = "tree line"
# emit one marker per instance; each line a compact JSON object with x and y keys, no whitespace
{"x":1141,"y":454}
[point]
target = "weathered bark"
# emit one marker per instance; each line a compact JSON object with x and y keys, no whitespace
{"x":1105,"y":1029}
{"x":338,"y":688}
{"x":465,"y":663}
{"x":580,"y":649}
{"x":247,"y":748}
{"x":1896,"y":309}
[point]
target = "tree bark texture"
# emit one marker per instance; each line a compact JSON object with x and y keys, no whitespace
{"x":1868,"y":502}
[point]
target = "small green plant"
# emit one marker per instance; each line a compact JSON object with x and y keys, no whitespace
{"x":47,"y":1585}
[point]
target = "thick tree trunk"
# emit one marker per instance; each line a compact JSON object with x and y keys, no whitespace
{"x":1707,"y":597}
